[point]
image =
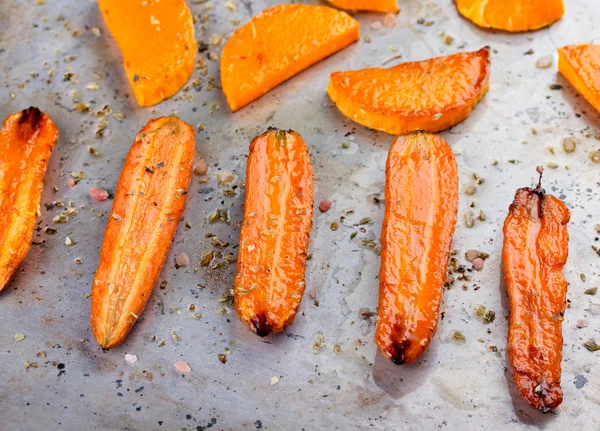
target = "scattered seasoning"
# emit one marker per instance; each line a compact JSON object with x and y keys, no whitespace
{"x":337,"y":348}
{"x":200,"y":167}
{"x":182,"y":367}
{"x":222,"y":358}
{"x":98,"y":194}
{"x":555,"y":87}
{"x":318,"y":343}
{"x":176,"y":337}
{"x":69,"y":242}
{"x":334,"y":226}
{"x":583,"y":277}
{"x":487,"y":316}
{"x":77,"y":176}
{"x":181,"y":259}
{"x":274,"y":380}
{"x":207,"y":257}
{"x":591,"y":345}
{"x":19,"y":337}
{"x":595,"y":156}
{"x":390,"y":20}
{"x":544,"y":62}
{"x":469,"y":220}
{"x":457,"y":337}
{"x":132,"y":359}
{"x":569,"y":144}
{"x":325,"y":205}
{"x":470,"y":190}
{"x":591,"y":291}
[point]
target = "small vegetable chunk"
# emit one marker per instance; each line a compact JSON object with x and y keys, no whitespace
{"x":277,"y":44}
{"x":274,"y":240}
{"x":536,"y":246}
{"x":512,"y":15}
{"x":430,"y":95}
{"x":421,"y":205}
{"x":148,"y":204}
{"x":27,"y":139}
{"x":390,"y":6}
{"x":157,"y":42}
{"x":580,"y":64}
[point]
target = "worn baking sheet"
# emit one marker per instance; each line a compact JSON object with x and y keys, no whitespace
{"x":519,"y":124}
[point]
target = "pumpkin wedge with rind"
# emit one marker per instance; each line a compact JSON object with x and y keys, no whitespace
{"x":430,"y":95}
{"x":580,"y":64}
{"x":27,"y":140}
{"x":512,"y":15}
{"x":421,"y":205}
{"x":389,"y":6}
{"x":277,"y":44}
{"x":275,"y":232}
{"x":157,"y":42}
{"x":149,"y":201}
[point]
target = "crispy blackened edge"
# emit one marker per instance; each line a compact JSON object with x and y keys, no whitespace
{"x":31,"y":116}
{"x":261,"y":324}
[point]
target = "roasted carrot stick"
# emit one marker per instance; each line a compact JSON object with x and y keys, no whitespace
{"x":534,"y":254}
{"x":149,"y":201}
{"x":421,"y":197}
{"x":26,"y":143}
{"x":274,"y":240}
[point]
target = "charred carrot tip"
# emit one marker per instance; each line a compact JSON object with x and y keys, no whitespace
{"x":397,"y":354}
{"x":31,"y":115}
{"x":261,"y":325}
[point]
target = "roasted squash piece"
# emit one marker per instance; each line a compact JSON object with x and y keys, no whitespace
{"x":421,"y":204}
{"x":27,"y":139}
{"x":148,"y":204}
{"x":368,"y":5}
{"x":277,"y":44}
{"x":278,"y":215}
{"x":157,"y":42}
{"x":580,"y":64}
{"x":512,"y":15}
{"x":429,"y":95}
{"x":536,"y":246}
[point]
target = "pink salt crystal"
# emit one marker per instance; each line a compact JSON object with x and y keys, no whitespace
{"x":200,"y":167}
{"x":132,"y":359}
{"x":582,"y":323}
{"x":478,"y":264}
{"x":325,"y":205}
{"x":390,"y":20}
{"x":71,"y":182}
{"x":182,"y":367}
{"x":98,"y":194}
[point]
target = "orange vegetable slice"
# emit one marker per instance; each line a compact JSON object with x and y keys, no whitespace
{"x":157,"y":42}
{"x":277,"y":44}
{"x":429,"y":95}
{"x":27,"y":140}
{"x":512,"y":15}
{"x":421,"y":205}
{"x":148,"y":205}
{"x":580,"y":64}
{"x":274,"y":240}
{"x":368,"y":5}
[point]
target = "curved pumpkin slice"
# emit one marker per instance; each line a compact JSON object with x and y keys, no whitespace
{"x":157,"y":42}
{"x":277,"y":44}
{"x":429,"y":95}
{"x":580,"y":64}
{"x":512,"y":15}
{"x":27,"y":139}
{"x":370,"y":5}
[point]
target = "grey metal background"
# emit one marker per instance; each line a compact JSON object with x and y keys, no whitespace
{"x":451,"y":387}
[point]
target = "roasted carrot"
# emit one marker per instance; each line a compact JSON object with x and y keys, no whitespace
{"x":157,"y":42}
{"x":277,"y":44}
{"x":421,"y":198}
{"x":534,"y":254}
{"x":369,"y":5}
{"x":274,"y":240}
{"x":148,"y":204}
{"x":27,"y":139}
{"x":429,"y":95}
{"x":512,"y":15}
{"x":580,"y":64}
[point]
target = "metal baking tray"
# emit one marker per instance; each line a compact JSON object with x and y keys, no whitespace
{"x":329,"y":374}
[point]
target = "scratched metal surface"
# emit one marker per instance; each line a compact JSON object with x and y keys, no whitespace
{"x":78,"y":386}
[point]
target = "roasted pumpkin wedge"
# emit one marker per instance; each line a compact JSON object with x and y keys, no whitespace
{"x":580,"y":64}
{"x":157,"y":42}
{"x":512,"y":15}
{"x":27,"y":140}
{"x":275,"y":233}
{"x":277,"y":44}
{"x":390,"y":6}
{"x":148,"y":204}
{"x":536,"y":246}
{"x":421,"y":204}
{"x":430,"y":95}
